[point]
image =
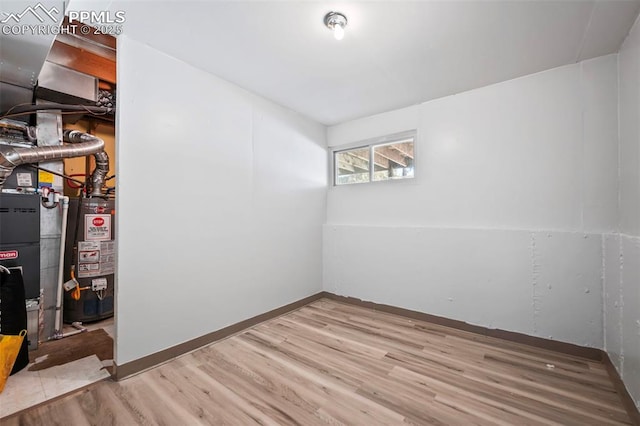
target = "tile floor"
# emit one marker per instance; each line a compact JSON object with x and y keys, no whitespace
{"x":28,"y":388}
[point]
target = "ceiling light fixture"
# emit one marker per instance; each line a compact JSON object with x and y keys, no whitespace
{"x":336,"y":22}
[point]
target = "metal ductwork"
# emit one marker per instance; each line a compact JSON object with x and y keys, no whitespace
{"x":23,"y":53}
{"x":80,"y":145}
{"x":99,"y":174}
{"x":28,"y":131}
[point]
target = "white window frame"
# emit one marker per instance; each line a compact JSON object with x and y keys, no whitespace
{"x":370,"y":145}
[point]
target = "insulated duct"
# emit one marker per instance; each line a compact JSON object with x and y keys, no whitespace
{"x":29,"y":132}
{"x":81,"y":144}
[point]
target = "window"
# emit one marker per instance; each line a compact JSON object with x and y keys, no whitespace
{"x":352,"y":166}
{"x":393,"y":158}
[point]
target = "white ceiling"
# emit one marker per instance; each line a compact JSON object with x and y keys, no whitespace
{"x":394,"y":54}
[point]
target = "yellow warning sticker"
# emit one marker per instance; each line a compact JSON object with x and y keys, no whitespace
{"x":45,"y":177}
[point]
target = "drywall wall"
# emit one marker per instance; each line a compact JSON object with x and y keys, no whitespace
{"x":622,"y":308}
{"x":629,"y":92}
{"x":512,"y":280}
{"x":530,"y":153}
{"x":515,"y":183}
{"x":622,"y":250}
{"x":612,"y":305}
{"x":221,"y":201}
{"x":630,"y":318}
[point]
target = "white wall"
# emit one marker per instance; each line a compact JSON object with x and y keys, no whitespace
{"x":622,"y":251}
{"x":502,"y":226}
{"x":530,"y":153}
{"x":221,"y":201}
{"x":545,"y":284}
{"x":629,"y":92}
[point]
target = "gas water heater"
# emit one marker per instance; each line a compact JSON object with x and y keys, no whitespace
{"x":90,"y":259}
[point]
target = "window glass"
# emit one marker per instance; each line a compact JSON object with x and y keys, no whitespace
{"x":352,"y":166}
{"x":393,"y":160}
{"x":385,"y":158}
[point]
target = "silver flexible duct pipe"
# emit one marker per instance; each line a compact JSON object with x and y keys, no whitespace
{"x":99,"y":174}
{"x":102,"y":159}
{"x":81,"y":145}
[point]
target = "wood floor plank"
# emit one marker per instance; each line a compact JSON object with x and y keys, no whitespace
{"x":339,"y":364}
{"x":383,"y":319}
{"x":375,"y":413}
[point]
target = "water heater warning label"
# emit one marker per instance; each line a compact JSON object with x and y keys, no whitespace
{"x":92,"y":256}
{"x":97,"y":227}
{"x":88,"y":269}
{"x":96,"y":258}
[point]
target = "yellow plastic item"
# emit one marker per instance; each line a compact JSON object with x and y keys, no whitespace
{"x":9,"y":348}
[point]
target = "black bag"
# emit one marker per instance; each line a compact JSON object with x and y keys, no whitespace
{"x":13,"y":312}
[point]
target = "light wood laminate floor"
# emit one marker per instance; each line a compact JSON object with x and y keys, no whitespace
{"x":333,"y":363}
